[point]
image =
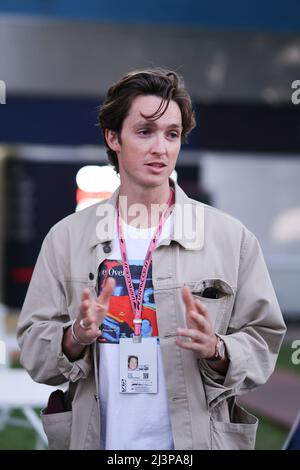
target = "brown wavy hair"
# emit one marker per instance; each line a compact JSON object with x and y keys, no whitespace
{"x":166,"y":84}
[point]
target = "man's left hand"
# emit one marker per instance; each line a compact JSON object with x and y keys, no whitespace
{"x":199,"y":332}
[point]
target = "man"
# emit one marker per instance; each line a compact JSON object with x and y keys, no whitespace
{"x":154,"y":274}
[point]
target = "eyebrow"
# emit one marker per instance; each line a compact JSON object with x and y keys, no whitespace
{"x":144,"y":122}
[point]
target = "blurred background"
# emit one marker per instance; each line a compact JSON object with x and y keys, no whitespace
{"x":239,"y":60}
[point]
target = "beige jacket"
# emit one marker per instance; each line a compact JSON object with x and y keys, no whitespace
{"x":207,"y":246}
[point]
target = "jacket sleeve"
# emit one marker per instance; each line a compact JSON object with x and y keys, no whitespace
{"x":255,"y":333}
{"x":43,"y":320}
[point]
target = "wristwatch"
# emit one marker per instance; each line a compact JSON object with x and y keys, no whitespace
{"x":219,"y":351}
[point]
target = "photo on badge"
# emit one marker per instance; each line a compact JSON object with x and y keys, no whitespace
{"x":138,"y":366}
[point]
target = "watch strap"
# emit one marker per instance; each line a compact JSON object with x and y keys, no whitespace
{"x":217,"y":355}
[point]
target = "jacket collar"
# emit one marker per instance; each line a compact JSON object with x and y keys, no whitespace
{"x":188,"y":229}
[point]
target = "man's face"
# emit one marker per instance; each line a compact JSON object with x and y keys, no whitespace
{"x":133,"y":363}
{"x":148,"y":150}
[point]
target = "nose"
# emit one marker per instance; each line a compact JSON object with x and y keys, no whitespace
{"x":159,"y":144}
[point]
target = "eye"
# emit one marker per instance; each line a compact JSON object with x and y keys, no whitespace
{"x":174,"y":135}
{"x":144,"y":132}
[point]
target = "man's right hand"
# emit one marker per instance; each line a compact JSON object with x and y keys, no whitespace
{"x":92,"y":313}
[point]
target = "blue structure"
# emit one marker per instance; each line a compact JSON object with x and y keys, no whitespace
{"x":252,"y":15}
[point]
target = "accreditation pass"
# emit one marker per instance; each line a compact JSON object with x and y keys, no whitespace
{"x":138,"y":365}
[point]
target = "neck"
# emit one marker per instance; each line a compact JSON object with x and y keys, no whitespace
{"x":142,"y":207}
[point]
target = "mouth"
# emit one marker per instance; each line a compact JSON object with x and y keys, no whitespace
{"x":156,"y":165}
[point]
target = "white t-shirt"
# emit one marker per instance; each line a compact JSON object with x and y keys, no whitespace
{"x":141,"y":420}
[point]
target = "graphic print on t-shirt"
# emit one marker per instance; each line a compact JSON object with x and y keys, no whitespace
{"x":118,"y":322}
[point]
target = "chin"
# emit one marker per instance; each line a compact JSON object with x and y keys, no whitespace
{"x":155,"y":183}
{"x":157,"y":180}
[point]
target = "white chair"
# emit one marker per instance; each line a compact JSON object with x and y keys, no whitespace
{"x":8,"y":341}
{"x":18,"y":390}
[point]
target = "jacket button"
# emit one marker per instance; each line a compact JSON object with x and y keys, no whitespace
{"x":107,"y":248}
{"x":91,"y":276}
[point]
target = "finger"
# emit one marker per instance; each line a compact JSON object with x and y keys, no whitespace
{"x":89,"y":337}
{"x":201,"y":308}
{"x":86,"y":295}
{"x":188,"y":299}
{"x":95,"y":331}
{"x":198,"y":322}
{"x":106,"y":292}
{"x":196,"y":347}
{"x":82,"y":334}
{"x":85,"y":302}
{"x":102,"y":304}
{"x":87,"y":313}
{"x":194,"y":335}
{"x":87,"y":320}
{"x":85,"y":306}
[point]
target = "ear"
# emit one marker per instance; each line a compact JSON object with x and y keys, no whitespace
{"x":112,"y":140}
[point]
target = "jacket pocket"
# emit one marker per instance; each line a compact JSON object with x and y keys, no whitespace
{"x":238,"y":434}
{"x":217,"y":296}
{"x":57,"y":427}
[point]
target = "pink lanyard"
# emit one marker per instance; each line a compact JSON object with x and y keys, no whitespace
{"x":137,"y":302}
